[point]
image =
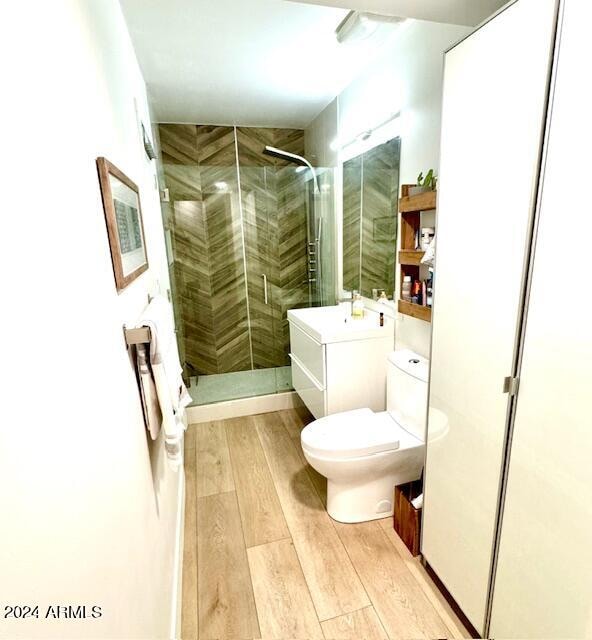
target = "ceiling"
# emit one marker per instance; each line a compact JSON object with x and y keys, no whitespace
{"x":272,"y":63}
{"x":463,"y":12}
{"x":248,"y":62}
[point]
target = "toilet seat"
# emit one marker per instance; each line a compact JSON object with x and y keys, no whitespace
{"x":351,"y":434}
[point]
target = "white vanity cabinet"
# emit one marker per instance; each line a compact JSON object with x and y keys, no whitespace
{"x":339,"y":363}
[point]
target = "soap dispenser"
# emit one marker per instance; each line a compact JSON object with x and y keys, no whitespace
{"x":358,"y":307}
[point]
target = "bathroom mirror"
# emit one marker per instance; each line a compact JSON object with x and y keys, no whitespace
{"x":370,"y":196}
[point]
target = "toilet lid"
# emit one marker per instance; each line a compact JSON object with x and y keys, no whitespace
{"x":350,"y":434}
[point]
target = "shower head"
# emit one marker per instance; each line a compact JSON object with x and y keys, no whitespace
{"x":295,"y":159}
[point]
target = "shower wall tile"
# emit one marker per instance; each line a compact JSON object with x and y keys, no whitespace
{"x":178,"y":143}
{"x":179,"y":154}
{"x":292,"y":229}
{"x":352,"y":209}
{"x":215,"y":146}
{"x":227,"y":273}
{"x":379,"y":219}
{"x":251,"y":142}
{"x":370,"y":192}
{"x":193,"y":283}
{"x":284,"y":262}
{"x":169,"y":228}
{"x":291,"y":140}
{"x":262,"y":257}
{"x":183,"y":182}
{"x":220,"y":191}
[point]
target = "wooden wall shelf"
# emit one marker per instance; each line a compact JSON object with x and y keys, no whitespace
{"x":422,"y":202}
{"x":415,"y":310}
{"x":410,"y":257}
{"x":410,"y":208}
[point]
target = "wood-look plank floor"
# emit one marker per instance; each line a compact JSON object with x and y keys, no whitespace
{"x":333,"y":582}
{"x":214,"y":471}
{"x":262,"y":558}
{"x":225,"y":601}
{"x":261,"y":513}
{"x":283,"y":600}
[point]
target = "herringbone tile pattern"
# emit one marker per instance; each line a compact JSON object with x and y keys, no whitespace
{"x":352,"y":210}
{"x":379,"y":219}
{"x":370,"y":193}
{"x":214,"y":237}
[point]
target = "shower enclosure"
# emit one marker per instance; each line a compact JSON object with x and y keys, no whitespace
{"x":249,"y":236}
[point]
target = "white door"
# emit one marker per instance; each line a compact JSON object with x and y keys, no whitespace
{"x":493,"y":110}
{"x":543,"y":587}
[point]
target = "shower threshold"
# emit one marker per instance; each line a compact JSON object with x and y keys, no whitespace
{"x":220,"y":387}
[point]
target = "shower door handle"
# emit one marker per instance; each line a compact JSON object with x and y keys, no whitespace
{"x":264,"y":286}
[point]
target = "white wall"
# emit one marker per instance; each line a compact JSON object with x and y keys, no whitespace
{"x":406,"y":77}
{"x":88,"y":508}
{"x":319,"y":134}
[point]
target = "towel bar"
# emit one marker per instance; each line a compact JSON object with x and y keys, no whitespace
{"x":136,"y":335}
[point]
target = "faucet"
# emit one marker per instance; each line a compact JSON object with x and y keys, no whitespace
{"x":349,"y":297}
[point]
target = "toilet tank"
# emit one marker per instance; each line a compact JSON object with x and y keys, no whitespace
{"x":407,"y":390}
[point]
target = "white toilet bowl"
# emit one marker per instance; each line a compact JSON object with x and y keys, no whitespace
{"x":363,"y":455}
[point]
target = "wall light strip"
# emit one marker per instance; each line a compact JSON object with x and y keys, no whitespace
{"x":337,"y":145}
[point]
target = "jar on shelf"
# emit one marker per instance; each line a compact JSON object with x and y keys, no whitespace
{"x":406,"y":290}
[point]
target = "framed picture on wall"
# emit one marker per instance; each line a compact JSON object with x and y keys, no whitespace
{"x":123,"y":214}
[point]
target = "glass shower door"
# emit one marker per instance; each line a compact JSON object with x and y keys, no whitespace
{"x":260,"y":231}
{"x":321,"y":238}
{"x":274,"y":222}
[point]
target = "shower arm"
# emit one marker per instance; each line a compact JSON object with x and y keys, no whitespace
{"x":293,"y":157}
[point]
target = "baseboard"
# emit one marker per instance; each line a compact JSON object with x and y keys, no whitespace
{"x":177,"y":598}
{"x":451,"y":601}
{"x":243,"y":407}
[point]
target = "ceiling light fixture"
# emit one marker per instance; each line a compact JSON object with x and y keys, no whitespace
{"x":358,"y":25}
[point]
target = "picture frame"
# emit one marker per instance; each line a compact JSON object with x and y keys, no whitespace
{"x":125,"y":226}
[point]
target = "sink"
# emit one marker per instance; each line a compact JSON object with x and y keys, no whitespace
{"x":335,"y":324}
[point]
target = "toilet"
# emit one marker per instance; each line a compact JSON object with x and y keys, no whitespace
{"x":364,"y":454}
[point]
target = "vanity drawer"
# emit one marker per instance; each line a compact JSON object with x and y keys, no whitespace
{"x":309,"y":390}
{"x":309,"y":353}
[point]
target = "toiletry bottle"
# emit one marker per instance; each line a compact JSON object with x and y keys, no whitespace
{"x":354,"y":295}
{"x":416,"y":292}
{"x":430,"y":288}
{"x":358,"y":307}
{"x":381,"y":319}
{"x":406,"y":291}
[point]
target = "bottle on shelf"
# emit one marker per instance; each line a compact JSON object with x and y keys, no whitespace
{"x":406,"y":290}
{"x":416,"y":292}
{"x":430,"y":287}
